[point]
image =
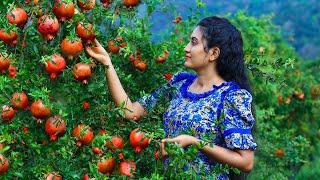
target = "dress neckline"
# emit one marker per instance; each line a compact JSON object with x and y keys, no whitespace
{"x":184,"y":89}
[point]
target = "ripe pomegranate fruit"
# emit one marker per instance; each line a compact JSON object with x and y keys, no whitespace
{"x":82,"y":72}
{"x":4,"y":63}
{"x":127,"y":168}
{"x":19,"y":100}
{"x":17,"y":16}
{"x":35,"y":2}
{"x":97,"y":150}
{"x":131,"y":3}
{"x":48,"y":26}
{"x":53,"y":176}
{"x":116,"y":143}
{"x":55,"y":65}
{"x":83,"y":133}
{"x":54,"y":127}
{"x":138,"y":141}
{"x":4,"y":164}
{"x":39,"y":110}
{"x":162,"y":58}
{"x":7,"y":113}
{"x":71,"y":48}
{"x":85,"y":31}
{"x":168,"y":76}
{"x":12,"y":71}
{"x":105,"y":3}
{"x":113,"y":48}
{"x":9,"y":38}
{"x":86,"y":4}
{"x":63,"y":11}
{"x":106,"y":166}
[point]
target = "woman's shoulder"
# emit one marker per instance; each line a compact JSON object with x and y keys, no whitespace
{"x":238,"y":95}
{"x":180,"y":76}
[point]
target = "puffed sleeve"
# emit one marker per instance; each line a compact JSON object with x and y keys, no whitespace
{"x":238,"y":120}
{"x":164,"y":93}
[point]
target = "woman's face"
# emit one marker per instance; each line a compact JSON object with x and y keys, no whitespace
{"x":196,"y":57}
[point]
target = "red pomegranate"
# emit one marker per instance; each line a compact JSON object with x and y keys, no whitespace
{"x":116,"y":143}
{"x":138,"y":141}
{"x":85,"y":177}
{"x":127,"y":168}
{"x":97,"y":150}
{"x":12,"y":71}
{"x":86,"y":4}
{"x":4,"y":63}
{"x":17,"y":16}
{"x":140,"y":65}
{"x":163,"y":57}
{"x":85,"y":105}
{"x":106,"y":166}
{"x":48,"y":27}
{"x":105,"y":3}
{"x":168,"y":76}
{"x":85,"y":31}
{"x":131,"y":3}
{"x":71,"y":48}
{"x":9,"y":38}
{"x":83,"y":133}
{"x":54,"y":127}
{"x":113,"y":48}
{"x":4,"y":164}
{"x":19,"y":100}
{"x":39,"y":110}
{"x":82,"y":72}
{"x":53,"y":176}
{"x":35,"y":2}
{"x":7,"y":113}
{"x":55,"y":65}
{"x":63,"y":11}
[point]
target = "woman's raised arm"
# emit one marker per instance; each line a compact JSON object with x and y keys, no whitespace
{"x":134,"y":110}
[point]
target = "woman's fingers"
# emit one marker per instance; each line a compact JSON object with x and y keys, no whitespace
{"x":90,"y":51}
{"x":97,"y":42}
{"x":168,"y":140}
{"x":162,"y":149}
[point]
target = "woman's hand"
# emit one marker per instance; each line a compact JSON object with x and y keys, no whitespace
{"x":98,"y":52}
{"x":183,"y":140}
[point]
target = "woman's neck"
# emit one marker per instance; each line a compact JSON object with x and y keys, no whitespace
{"x":205,"y":80}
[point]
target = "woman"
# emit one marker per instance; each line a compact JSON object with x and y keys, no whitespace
{"x":219,"y":89}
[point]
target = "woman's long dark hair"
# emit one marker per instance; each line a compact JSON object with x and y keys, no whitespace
{"x":219,"y":32}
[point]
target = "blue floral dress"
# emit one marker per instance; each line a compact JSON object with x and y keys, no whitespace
{"x":202,"y":112}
